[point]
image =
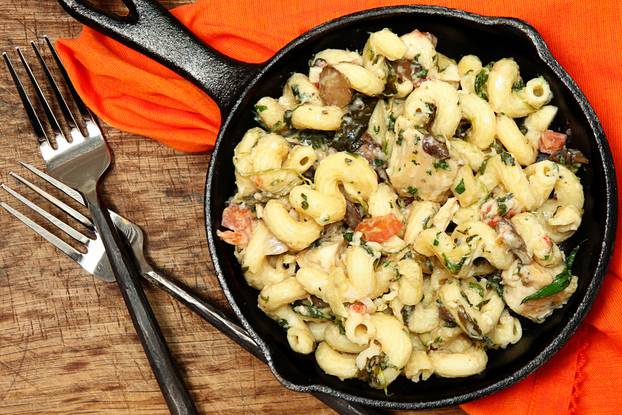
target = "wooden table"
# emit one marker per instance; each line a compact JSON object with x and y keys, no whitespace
{"x":67,"y":345}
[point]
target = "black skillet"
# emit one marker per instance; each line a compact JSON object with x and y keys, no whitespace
{"x":236,"y":86}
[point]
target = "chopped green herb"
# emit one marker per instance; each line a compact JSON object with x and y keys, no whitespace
{"x":287,"y":116}
{"x":518,"y":85}
{"x":376,"y":129}
{"x":429,"y":172}
{"x":482,"y":303}
{"x":299,"y":95}
{"x":264,"y":299}
{"x":480,"y":290}
{"x":453,"y":267}
{"x":494,"y":280}
{"x":313,"y":311}
{"x":367,"y":248}
{"x":466,"y":298}
{"x":482,"y":167}
{"x":421,"y":73}
{"x":391,"y":123}
{"x":316,"y":139}
{"x":436,"y":241}
{"x":385,"y":146}
{"x":373,"y":372}
{"x":502,"y":204}
{"x":260,"y":108}
{"x":441,"y":164}
{"x":460,"y":187}
{"x":400,"y":138}
{"x":339,"y":323}
{"x":378,"y":162}
{"x":348,"y":236}
{"x":305,"y":203}
{"x":415,"y":162}
{"x":560,"y":282}
{"x":283,"y":323}
{"x":426,"y":222}
{"x":277,"y":126}
{"x":507,"y":158}
{"x":480,"y":84}
{"x":412,"y":190}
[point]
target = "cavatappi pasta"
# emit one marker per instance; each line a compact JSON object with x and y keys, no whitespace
{"x":400,"y":211}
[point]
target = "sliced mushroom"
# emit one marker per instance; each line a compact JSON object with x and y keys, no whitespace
{"x":434,"y":147}
{"x":569,"y":157}
{"x":513,"y":240}
{"x":334,"y":87}
{"x":353,"y":216}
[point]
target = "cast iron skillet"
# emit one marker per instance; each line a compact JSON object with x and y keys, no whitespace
{"x":236,"y":86}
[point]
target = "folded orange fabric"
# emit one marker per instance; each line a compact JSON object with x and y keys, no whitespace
{"x":135,"y":94}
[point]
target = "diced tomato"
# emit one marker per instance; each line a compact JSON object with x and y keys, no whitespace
{"x":380,"y":228}
{"x":236,"y":238}
{"x":492,"y":222}
{"x":551,"y":141}
{"x":547,"y":240}
{"x":359,"y":308}
{"x":237,"y":217}
{"x":239,"y":220}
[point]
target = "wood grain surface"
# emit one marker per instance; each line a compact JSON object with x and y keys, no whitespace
{"x":67,"y":345}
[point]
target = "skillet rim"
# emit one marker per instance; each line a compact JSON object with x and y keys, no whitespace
{"x":602,"y":146}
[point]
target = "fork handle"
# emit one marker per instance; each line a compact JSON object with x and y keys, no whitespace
{"x":128,"y":278}
{"x":224,"y":323}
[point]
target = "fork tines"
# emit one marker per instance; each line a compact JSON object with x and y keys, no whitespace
{"x":43,"y":137}
{"x":60,"y":224}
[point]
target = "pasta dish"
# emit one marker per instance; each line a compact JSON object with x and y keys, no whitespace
{"x":400,"y":211}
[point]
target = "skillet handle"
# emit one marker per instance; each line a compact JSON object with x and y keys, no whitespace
{"x":152,"y":30}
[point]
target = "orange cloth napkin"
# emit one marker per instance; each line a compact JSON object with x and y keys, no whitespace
{"x":135,"y":94}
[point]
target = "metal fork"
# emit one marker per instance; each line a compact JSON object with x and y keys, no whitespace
{"x":80,"y":164}
{"x":95,"y":262}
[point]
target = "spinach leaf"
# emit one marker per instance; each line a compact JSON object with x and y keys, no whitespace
{"x":560,"y":282}
{"x":354,"y":124}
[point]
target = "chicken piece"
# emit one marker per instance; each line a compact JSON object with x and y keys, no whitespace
{"x":521,"y":280}
{"x":411,"y":167}
{"x":324,"y":256}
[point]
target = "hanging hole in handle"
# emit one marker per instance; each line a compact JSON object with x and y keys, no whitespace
{"x":122,"y":10}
